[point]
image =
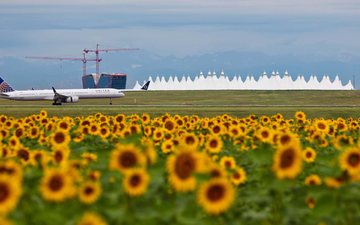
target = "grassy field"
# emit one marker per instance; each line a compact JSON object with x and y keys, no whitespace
{"x":328,"y":104}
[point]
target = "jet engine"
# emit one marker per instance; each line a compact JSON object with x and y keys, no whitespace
{"x":71,"y":99}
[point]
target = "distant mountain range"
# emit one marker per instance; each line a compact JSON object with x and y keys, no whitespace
{"x":23,"y":73}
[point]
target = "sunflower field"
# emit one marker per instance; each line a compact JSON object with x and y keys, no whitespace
{"x":172,"y":169}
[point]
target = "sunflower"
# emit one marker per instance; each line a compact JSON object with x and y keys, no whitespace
{"x":136,"y":182}
{"x":300,"y":116}
{"x":181,"y":168}
{"x":40,"y":158}
{"x":20,"y":132}
{"x":125,"y":157}
{"x":342,"y":141}
{"x":64,"y":125}
{"x":214,"y":144}
{"x":89,"y":192}
{"x":43,"y":113}
{"x":350,"y":161}
{"x":234,"y":131}
{"x":216,"y":196}
{"x":216,"y":171}
{"x":309,"y":155}
{"x":24,"y":155}
{"x":104,"y":132}
{"x":34,"y":132}
{"x":238,"y":176}
{"x":56,"y":185}
{"x":265,"y":119}
{"x":310,"y":202}
{"x":145,"y":118}
{"x":228,"y":162}
{"x":95,"y":175}
{"x":11,"y":169}
{"x":60,"y":138}
{"x":287,"y":161}
{"x":91,"y":219}
{"x":94,"y":129}
{"x":312,"y":179}
{"x":167,"y":146}
{"x":189,"y":140}
{"x":217,"y":129}
{"x":10,"y":191}
{"x":332,"y":182}
{"x":60,"y":154}
{"x":170,"y":125}
{"x":14,"y":142}
{"x":322,"y":126}
{"x":89,"y":157}
{"x":286,"y":138}
{"x":158,"y":134}
{"x":264,"y":134}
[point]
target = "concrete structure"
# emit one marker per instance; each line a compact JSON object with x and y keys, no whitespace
{"x":273,"y":82}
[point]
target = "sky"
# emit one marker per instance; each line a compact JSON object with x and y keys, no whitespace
{"x":178,"y":37}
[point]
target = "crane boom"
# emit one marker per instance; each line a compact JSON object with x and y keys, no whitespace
{"x":84,"y":60}
{"x":97,"y":50}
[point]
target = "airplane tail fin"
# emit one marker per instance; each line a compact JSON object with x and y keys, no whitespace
{"x":146,"y":86}
{"x":5,"y":87}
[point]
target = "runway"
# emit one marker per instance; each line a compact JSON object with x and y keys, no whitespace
{"x":181,"y":105}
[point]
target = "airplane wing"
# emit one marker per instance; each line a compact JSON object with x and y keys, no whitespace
{"x":58,"y":98}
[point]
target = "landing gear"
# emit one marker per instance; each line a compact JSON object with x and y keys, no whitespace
{"x":56,"y":103}
{"x":110,"y":101}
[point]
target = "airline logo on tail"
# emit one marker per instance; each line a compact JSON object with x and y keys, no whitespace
{"x":4,"y":87}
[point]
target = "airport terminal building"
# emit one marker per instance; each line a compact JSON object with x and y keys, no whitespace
{"x":116,"y":80}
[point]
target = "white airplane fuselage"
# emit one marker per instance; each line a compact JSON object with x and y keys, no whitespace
{"x":34,"y":95}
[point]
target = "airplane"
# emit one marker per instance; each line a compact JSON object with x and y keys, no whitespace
{"x":62,"y":95}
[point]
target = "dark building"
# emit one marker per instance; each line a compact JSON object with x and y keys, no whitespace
{"x":117,"y":81}
{"x":88,"y":81}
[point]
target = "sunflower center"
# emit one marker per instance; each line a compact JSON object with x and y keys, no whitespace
{"x":215,"y":193}
{"x":285,"y":139}
{"x":228,"y":164}
{"x":215,"y":173}
{"x":88,"y":190}
{"x":58,"y":156}
{"x":312,"y":182}
{"x":103,"y":131}
{"x":127,"y":159}
{"x":56,"y":183}
{"x":63,"y":125}
{"x":4,"y":192}
{"x":287,"y":159}
{"x":321,"y":126}
{"x":169,"y":125}
{"x":308,"y":155}
{"x":236,"y":176}
{"x":213,"y":143}
{"x":23,"y":154}
{"x":354,"y":159}
{"x":189,"y":140}
{"x":265,"y":134}
{"x":59,"y":137}
{"x":216,"y":129}
{"x":135,"y":180}
{"x":184,"y":166}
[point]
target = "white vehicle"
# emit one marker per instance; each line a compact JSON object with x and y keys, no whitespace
{"x":61,"y":95}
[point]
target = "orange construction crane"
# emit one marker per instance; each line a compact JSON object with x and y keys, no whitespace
{"x":97,"y":50}
{"x":84,"y":60}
